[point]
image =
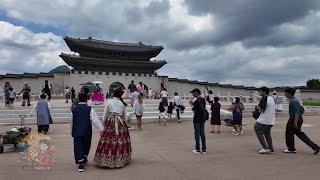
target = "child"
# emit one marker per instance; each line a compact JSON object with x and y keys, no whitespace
{"x":215,"y":117}
{"x":12,"y":96}
{"x":170,"y":110}
{"x":237,"y":109}
{"x":162,"y":114}
{"x":42,"y":109}
{"x":138,"y":109}
{"x":83,"y":117}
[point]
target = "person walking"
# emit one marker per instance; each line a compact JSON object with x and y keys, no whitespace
{"x":83,"y":118}
{"x":42,"y":108}
{"x":47,"y":89}
{"x":164,"y":97}
{"x":114,"y":148}
{"x":265,"y":121}
{"x":198,"y":107}
{"x":294,"y":124}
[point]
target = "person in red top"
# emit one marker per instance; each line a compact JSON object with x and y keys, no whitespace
{"x":215,"y":116}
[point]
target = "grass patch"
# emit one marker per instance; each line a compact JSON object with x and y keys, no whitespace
{"x":311,"y":102}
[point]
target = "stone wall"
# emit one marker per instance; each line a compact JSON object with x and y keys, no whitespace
{"x":183,"y":87}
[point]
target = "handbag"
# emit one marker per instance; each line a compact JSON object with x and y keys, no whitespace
{"x":256,"y":114}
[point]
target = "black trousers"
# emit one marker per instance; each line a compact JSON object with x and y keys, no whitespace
{"x":291,"y":131}
{"x":43,"y":128}
{"x":81,"y":146}
{"x":178,"y":113}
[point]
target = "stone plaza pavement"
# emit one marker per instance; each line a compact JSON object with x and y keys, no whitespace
{"x":165,"y":153}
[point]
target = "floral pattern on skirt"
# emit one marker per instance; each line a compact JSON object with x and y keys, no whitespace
{"x":114,"y":148}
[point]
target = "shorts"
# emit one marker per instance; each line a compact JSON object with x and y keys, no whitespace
{"x":11,"y":100}
{"x":137,"y":116}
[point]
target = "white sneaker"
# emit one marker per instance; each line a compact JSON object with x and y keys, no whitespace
{"x":289,"y":151}
{"x":264,"y":151}
{"x":196,"y":151}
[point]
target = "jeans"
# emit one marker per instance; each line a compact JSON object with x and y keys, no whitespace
{"x":199,"y":133}
{"x":81,"y":148}
{"x":263,"y":132}
{"x":291,"y":131}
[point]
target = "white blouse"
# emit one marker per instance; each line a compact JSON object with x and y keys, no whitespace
{"x":115,"y":106}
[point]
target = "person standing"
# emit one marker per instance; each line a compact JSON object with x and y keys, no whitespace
{"x":134,"y":96}
{"x":294,"y":124}
{"x":138,"y":109}
{"x":210,"y":97}
{"x":278,"y":102}
{"x":215,"y":116}
{"x":12,"y":97}
{"x":73,"y":94}
{"x":265,"y":121}
{"x":140,"y":88}
{"x":6,"y":88}
{"x":132,"y":87}
{"x":114,"y":148}
{"x":178,"y":103}
{"x":42,"y":108}
{"x":83,"y":118}
{"x":26,"y":94}
{"x":237,"y":109}
{"x":198,"y":107}
{"x":67,"y":94}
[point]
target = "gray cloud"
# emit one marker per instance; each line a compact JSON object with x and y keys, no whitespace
{"x":239,"y":41}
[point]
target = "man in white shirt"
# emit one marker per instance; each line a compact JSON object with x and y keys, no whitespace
{"x":265,"y":121}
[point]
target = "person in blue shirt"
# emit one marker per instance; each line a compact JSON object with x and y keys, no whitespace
{"x":294,"y":124}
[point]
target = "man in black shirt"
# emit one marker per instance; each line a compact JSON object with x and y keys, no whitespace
{"x":198,"y":108}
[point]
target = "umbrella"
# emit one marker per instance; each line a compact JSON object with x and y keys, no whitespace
{"x":86,"y":84}
{"x":97,"y":82}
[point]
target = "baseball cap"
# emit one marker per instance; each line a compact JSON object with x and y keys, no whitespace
{"x":196,"y":90}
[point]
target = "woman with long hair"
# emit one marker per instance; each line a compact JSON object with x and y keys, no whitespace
{"x":114,"y":147}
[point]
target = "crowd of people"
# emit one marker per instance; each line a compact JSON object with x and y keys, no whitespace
{"x":114,"y":147}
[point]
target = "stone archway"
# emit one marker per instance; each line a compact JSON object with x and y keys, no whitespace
{"x":114,"y":86}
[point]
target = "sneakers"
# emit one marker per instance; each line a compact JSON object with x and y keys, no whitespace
{"x":85,"y":162}
{"x":264,"y":151}
{"x":204,"y":152}
{"x":316,"y":151}
{"x":81,"y":167}
{"x":196,"y":151}
{"x":289,"y":151}
{"x":179,"y":121}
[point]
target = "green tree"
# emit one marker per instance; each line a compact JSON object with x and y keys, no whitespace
{"x":313,"y":83}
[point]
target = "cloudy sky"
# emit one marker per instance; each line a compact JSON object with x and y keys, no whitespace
{"x":243,"y":42}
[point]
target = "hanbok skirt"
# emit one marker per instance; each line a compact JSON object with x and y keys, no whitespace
{"x":114,"y":148}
